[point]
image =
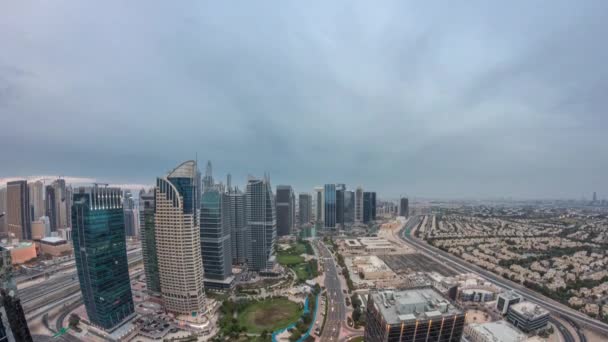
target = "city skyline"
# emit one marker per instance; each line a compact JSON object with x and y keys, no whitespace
{"x":459,"y":103}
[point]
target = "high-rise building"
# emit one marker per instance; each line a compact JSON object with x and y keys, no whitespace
{"x":216,"y":249}
{"x":373,"y":204}
{"x":36,"y":193}
{"x":349,"y":206}
{"x":262,"y":224}
{"x":285,"y":210}
{"x":18,"y":210}
{"x":3,"y":227}
{"x":178,"y":241}
{"x":367,"y":207}
{"x":62,"y":204}
{"x":51,"y":207}
{"x":239,"y":230}
{"x":148,"y":239}
{"x":305,"y":204}
{"x":415,"y":314}
{"x":329,"y":206}
{"x":13,"y":325}
{"x":318,"y":201}
{"x":208,"y":181}
{"x":359,"y":205}
{"x":404,"y":207}
{"x":340,"y":203}
{"x":100,"y":251}
{"x":594,"y":197}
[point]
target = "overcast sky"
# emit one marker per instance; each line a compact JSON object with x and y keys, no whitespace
{"x":426,"y":99}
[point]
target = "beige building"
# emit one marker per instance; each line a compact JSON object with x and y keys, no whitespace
{"x":178,"y":243}
{"x":55,"y":246}
{"x":38,"y":230}
{"x":21,"y":252}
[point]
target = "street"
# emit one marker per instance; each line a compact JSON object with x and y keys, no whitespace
{"x":336,"y":307}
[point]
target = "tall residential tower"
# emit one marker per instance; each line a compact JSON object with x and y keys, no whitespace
{"x":262,"y":224}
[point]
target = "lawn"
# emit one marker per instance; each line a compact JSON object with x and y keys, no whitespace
{"x":302,"y":271}
{"x":289,"y":259}
{"x":357,"y":339}
{"x":269,"y":315}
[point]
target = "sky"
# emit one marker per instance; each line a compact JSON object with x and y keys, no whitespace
{"x":429,"y":99}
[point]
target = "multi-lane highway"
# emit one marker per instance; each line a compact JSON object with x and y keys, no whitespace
{"x":336,"y":307}
{"x":554,"y":307}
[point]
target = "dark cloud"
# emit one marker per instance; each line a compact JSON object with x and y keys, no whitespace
{"x":482,"y":99}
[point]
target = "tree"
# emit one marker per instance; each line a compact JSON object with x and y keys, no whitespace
{"x":264,"y":334}
{"x":74,"y":320}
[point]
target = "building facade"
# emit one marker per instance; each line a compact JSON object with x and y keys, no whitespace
{"x":101,"y":255}
{"x":178,"y":241}
{"x":319,"y":204}
{"x":62,"y":203}
{"x":3,"y":228}
{"x":36,"y":193}
{"x":148,"y":239}
{"x":329,"y":206}
{"x":50,"y":207}
{"x":349,"y":207}
{"x":285,"y":210}
{"x":404,"y":207}
{"x":239,"y":230}
{"x":528,"y":317}
{"x":359,"y":205}
{"x":305,"y":208}
{"x":18,"y":216}
{"x":216,"y":249}
{"x":340,"y":203}
{"x":262,"y":224}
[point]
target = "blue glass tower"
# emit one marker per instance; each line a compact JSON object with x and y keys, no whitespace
{"x":98,"y":234}
{"x":329,"y":205}
{"x":215,"y":236}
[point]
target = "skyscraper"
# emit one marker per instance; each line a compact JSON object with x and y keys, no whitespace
{"x":349,"y":206}
{"x":51,"y":207}
{"x":239,"y":230}
{"x":305,"y":204}
{"x":367,"y":207}
{"x":13,"y":325}
{"x":404,"y":207}
{"x":262,"y":224}
{"x":18,"y":210}
{"x":62,"y":204}
{"x":216,"y":249}
{"x":284,"y":210}
{"x":329,"y":206}
{"x":36,"y":194}
{"x":359,"y":205}
{"x":594,"y":197}
{"x":178,"y":241}
{"x":208,"y":181}
{"x":101,"y":255}
{"x":3,"y":225}
{"x":148,"y":239}
{"x":318,"y":204}
{"x":373,"y":204}
{"x":131,"y":215}
{"x":340,"y":203}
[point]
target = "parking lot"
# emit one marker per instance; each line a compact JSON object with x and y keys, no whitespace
{"x":406,"y":264}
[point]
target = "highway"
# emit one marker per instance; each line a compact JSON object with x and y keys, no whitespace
{"x":554,"y":307}
{"x":336,"y":307}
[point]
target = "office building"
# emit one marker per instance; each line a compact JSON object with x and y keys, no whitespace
{"x":499,"y":331}
{"x":216,"y":249}
{"x":55,"y":246}
{"x":318,"y":204}
{"x":239,"y":230}
{"x":305,"y":208}
{"x":100,"y":251}
{"x":285,"y":210}
{"x":594,"y":197}
{"x":373,"y":204}
{"x":208,"y":182}
{"x":404,"y":207}
{"x":349,"y":207}
{"x":262,"y":224}
{"x":178,"y":242}
{"x":416,"y":314}
{"x":528,"y":317}
{"x":62,"y":204}
{"x":367,"y":207}
{"x":18,"y":210}
{"x":13,"y":325}
{"x":505,"y":300}
{"x":329,"y":206}
{"x":148,"y":239}
{"x":359,"y":205}
{"x":36,"y":195}
{"x":340,"y":192}
{"x":3,"y":227}
{"x":51,"y":207}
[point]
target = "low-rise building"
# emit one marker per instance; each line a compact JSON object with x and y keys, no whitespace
{"x":500,"y":331}
{"x":55,"y":246}
{"x":505,"y":300}
{"x":528,"y":317}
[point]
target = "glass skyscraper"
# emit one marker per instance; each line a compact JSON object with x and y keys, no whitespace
{"x":329,"y":205}
{"x":216,"y":249}
{"x":18,"y":216}
{"x":100,"y":250}
{"x":239,"y":230}
{"x":148,"y":240}
{"x":285,"y":210}
{"x":262,"y":224}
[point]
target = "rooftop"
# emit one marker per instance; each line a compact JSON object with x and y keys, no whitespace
{"x":413,"y":304}
{"x":529,"y":310}
{"x":498,"y":331}
{"x":510,"y":295}
{"x":52,"y":239}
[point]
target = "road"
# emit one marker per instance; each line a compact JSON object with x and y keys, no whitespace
{"x":336,"y":306}
{"x":554,"y":307}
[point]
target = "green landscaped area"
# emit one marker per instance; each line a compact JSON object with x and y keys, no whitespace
{"x":357,"y":339}
{"x":269,"y":315}
{"x":292,"y":258}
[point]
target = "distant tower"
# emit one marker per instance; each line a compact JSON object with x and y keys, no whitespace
{"x":208,"y":179}
{"x":594,"y":197}
{"x":100,"y":251}
{"x":148,"y":239}
{"x":216,"y":249}
{"x":262,"y":224}
{"x":3,"y":229}
{"x":239,"y":230}
{"x":329,"y":206}
{"x":305,"y":204}
{"x":51,"y":207}
{"x":318,"y":204}
{"x":284,"y":210}
{"x":178,"y":241}
{"x":404,"y":207}
{"x":349,"y":206}
{"x":36,"y":193}
{"x":18,"y":210}
{"x":359,"y":205}
{"x":229,"y":182}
